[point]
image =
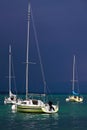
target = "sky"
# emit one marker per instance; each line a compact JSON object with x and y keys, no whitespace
{"x":62,"y":32}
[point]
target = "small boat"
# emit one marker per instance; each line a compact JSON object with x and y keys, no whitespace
{"x":75,"y":97}
{"x":12,"y":97}
{"x":34,"y":105}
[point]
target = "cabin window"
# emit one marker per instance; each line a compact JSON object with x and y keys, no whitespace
{"x":35,"y":102}
{"x":23,"y":103}
{"x":12,"y":98}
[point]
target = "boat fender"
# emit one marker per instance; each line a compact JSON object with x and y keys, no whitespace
{"x":14,"y":107}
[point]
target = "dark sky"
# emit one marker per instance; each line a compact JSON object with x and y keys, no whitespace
{"x":62,"y":32}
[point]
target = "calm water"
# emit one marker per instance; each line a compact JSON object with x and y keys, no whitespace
{"x":71,"y":116}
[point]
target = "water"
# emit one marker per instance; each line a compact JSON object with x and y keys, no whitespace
{"x":71,"y":116}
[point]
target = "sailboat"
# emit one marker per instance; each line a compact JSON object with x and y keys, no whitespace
{"x":30,"y":105}
{"x":75,"y":97}
{"x":12,"y":97}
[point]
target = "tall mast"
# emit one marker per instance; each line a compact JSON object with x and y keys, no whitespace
{"x":73,"y":73}
{"x":9,"y":69}
{"x":27,"y":68}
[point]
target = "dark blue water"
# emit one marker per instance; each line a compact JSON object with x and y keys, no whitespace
{"x":71,"y":116}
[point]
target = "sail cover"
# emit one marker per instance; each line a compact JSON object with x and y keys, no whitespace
{"x":12,"y":95}
{"x":74,"y":93}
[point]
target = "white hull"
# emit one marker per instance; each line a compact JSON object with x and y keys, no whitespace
{"x":29,"y":106}
{"x":74,"y":99}
{"x":33,"y":106}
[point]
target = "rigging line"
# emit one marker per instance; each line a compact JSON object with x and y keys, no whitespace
{"x":14,"y":76}
{"x":38,"y":50}
{"x":77,"y":78}
{"x":75,"y":75}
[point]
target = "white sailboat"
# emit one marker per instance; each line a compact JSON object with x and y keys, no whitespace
{"x":34,"y":105}
{"x":75,"y":97}
{"x":12,"y":97}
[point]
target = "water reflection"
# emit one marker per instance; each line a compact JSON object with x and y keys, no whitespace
{"x":33,"y":121}
{"x":31,"y":116}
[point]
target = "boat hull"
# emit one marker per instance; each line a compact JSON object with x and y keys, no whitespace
{"x":29,"y":109}
{"x":74,"y":99}
{"x":34,"y":106}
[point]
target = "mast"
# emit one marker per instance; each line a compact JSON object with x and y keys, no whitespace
{"x":27,"y":62}
{"x":9,"y":69}
{"x":27,"y":68}
{"x":73,"y":73}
